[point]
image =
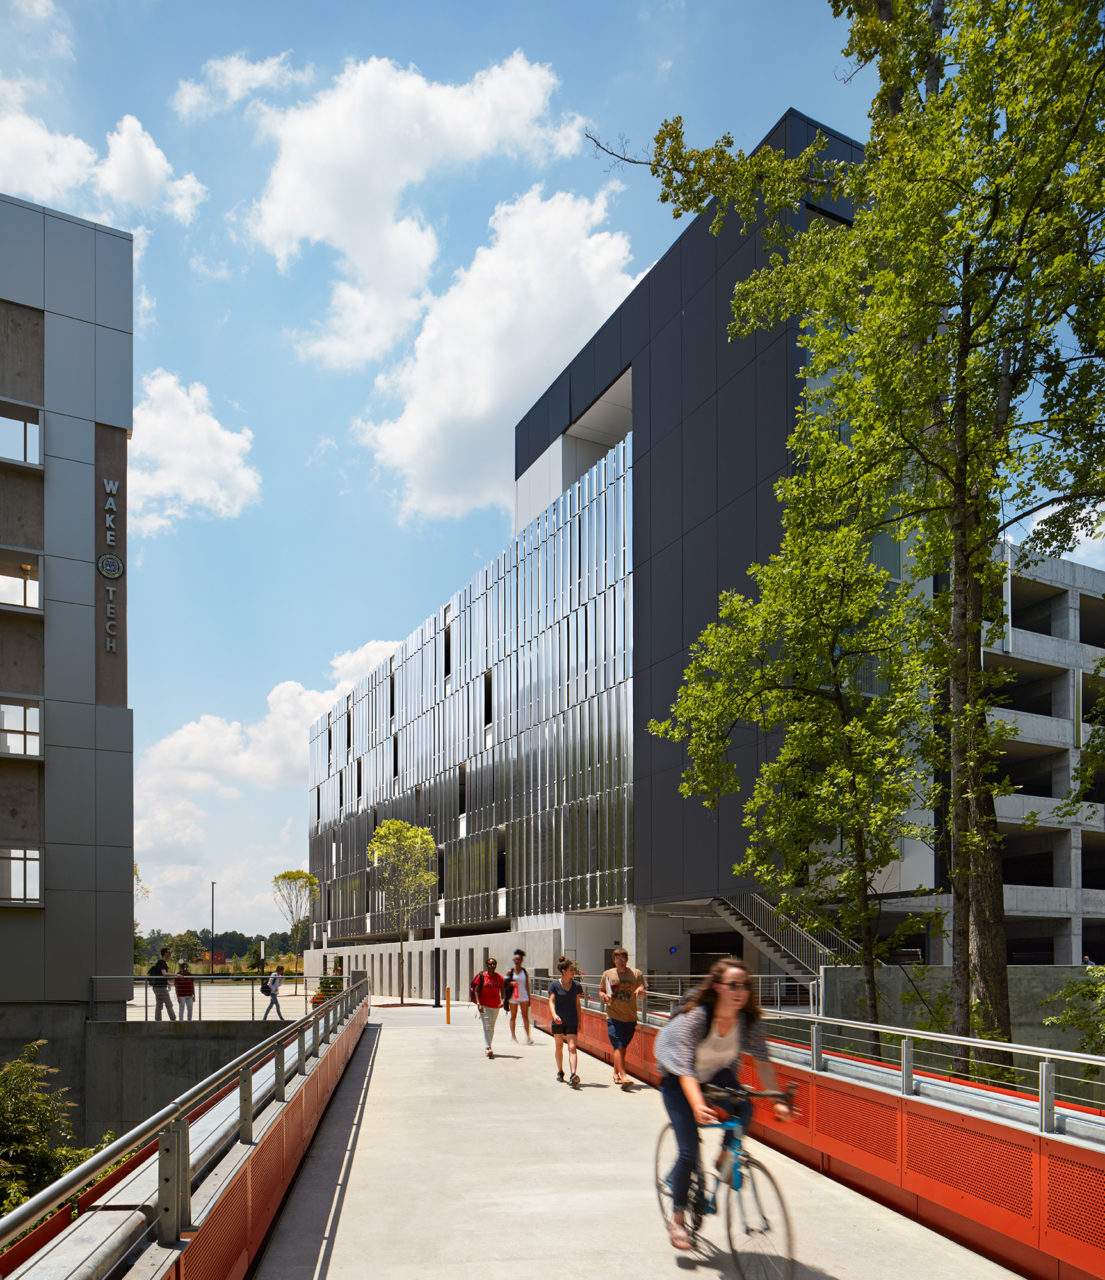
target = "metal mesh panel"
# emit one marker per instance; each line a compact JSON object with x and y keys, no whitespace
{"x":1075,"y":1198}
{"x":266,"y":1181}
{"x":218,"y":1250}
{"x":955,"y":1156}
{"x":863,"y":1123}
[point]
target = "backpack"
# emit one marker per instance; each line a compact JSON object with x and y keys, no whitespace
{"x":265,"y":987}
{"x":475,"y":987}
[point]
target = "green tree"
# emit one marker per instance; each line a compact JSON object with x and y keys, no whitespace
{"x":955,"y":328}
{"x":36,"y":1137}
{"x":184,"y":946}
{"x":1083,"y":1011}
{"x":402,"y":860}
{"x":816,"y":655}
{"x":294,"y":892}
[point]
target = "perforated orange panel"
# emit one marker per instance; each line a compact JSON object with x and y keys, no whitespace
{"x":218,"y":1250}
{"x":858,"y":1127}
{"x":266,"y":1183}
{"x":982,"y":1169}
{"x":1074,"y":1205}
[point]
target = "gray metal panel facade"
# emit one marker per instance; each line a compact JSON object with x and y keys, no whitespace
{"x":68,"y":803}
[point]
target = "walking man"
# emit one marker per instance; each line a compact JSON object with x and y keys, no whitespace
{"x":159,"y":980}
{"x":619,"y":990}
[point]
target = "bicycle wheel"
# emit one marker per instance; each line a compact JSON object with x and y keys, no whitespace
{"x":667,"y":1152}
{"x":759,"y":1229}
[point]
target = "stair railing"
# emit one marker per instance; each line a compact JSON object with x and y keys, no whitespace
{"x":811,"y":949}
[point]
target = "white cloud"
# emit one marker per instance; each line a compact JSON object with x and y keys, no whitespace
{"x":59,"y":42}
{"x":137,"y":173}
{"x":182,"y":460}
{"x":346,"y":159}
{"x":209,"y":270}
{"x":507,"y":325}
{"x":145,"y":308}
{"x":229,"y":80}
{"x":52,"y":168}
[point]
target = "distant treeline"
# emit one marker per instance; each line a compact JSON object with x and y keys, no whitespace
{"x":231,"y":942}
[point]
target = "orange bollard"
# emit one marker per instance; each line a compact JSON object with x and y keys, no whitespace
{"x":446,"y":1005}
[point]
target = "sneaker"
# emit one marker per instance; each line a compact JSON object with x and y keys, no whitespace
{"x":529,"y":1039}
{"x":573,"y":1079}
{"x":560,"y":1077}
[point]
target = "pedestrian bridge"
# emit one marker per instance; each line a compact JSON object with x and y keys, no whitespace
{"x":428,"y":1159}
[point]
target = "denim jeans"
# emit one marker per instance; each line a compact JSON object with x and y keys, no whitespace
{"x":270,"y":1007}
{"x":686,"y":1131}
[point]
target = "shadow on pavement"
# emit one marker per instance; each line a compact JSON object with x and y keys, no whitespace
{"x":326,"y":1164}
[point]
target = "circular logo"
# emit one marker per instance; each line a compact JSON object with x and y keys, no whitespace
{"x":110,"y":566}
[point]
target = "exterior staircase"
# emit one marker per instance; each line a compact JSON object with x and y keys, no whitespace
{"x":797,"y":951}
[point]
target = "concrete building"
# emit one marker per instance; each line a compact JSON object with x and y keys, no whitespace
{"x":66,"y":821}
{"x":513,"y":723}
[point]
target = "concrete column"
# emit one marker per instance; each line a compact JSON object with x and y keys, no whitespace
{"x":1066,"y":860}
{"x":635,"y":935}
{"x":1065,"y":616}
{"x":940,"y":949}
{"x":1068,"y":941}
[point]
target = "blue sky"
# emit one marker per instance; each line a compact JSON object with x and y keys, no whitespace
{"x":367,"y":237}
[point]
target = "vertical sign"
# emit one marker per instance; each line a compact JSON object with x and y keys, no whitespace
{"x":110,"y":514}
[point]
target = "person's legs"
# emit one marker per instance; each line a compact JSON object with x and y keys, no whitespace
{"x":524,"y":1006}
{"x":558,"y":1053}
{"x":573,"y":1055}
{"x":686,"y":1136}
{"x":164,"y":1001}
{"x":513,"y":1019}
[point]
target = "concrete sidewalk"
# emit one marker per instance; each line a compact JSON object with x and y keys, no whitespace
{"x":434,"y":1161}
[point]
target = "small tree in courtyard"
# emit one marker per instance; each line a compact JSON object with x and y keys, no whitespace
{"x":402,"y":857}
{"x":293,"y":892}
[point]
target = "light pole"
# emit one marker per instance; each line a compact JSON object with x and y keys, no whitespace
{"x":213,"y":883}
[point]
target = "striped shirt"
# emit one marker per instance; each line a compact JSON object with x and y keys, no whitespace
{"x":678,"y":1042}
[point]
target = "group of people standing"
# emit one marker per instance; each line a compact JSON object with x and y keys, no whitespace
{"x":618,"y":990}
{"x":184,"y":988}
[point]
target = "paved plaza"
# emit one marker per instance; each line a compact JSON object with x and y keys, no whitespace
{"x":432,"y":1160}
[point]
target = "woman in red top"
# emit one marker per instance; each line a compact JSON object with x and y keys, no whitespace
{"x":185,"y":991}
{"x":487,"y":988}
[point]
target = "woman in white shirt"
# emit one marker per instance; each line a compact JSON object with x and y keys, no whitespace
{"x":275,"y":982}
{"x":519,"y":995}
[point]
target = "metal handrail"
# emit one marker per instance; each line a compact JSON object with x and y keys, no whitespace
{"x":805,"y":947}
{"x":30,"y":1211}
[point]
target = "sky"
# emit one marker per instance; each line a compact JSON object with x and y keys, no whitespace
{"x":367,"y":237}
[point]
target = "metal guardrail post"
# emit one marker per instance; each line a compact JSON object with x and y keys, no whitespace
{"x":245,"y":1105}
{"x":1047,"y":1096}
{"x":817,"y":1047}
{"x":281,"y":1073}
{"x":168,"y":1185}
{"x":314,"y":1036}
{"x":907,"y":1067}
{"x":252,"y":997}
{"x":301,"y":1063}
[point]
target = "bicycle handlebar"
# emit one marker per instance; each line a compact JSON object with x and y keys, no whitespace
{"x":721,"y":1093}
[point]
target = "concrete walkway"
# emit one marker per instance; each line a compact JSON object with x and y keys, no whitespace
{"x":434,"y":1161}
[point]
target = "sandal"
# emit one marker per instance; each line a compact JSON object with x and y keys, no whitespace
{"x":677,"y":1234}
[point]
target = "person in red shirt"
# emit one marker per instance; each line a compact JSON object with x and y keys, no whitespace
{"x":487,"y":991}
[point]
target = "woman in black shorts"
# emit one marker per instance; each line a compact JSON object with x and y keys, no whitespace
{"x":565,"y":1002}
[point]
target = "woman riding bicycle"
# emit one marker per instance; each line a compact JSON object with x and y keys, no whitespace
{"x":702,"y":1044}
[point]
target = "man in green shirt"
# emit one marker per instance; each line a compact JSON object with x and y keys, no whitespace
{"x":619,"y":990}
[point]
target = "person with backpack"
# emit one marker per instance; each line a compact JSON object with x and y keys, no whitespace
{"x":718,"y":1022}
{"x":159,"y":981}
{"x":270,"y":986}
{"x":486,"y":992}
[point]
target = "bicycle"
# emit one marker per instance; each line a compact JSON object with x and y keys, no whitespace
{"x":755,"y":1213}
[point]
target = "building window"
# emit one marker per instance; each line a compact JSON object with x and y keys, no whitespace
{"x":20,"y":875}
{"x":19,"y":729}
{"x":20,"y":438}
{"x":19,"y":578}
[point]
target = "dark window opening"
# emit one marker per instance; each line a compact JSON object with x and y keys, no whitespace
{"x":360,"y":781}
{"x":441,"y":873}
{"x":395,"y":756}
{"x":462,"y":783}
{"x":448,"y":652}
{"x":486,"y":698}
{"x":391,"y":696}
{"x":1091,"y":621}
{"x":500,"y":857}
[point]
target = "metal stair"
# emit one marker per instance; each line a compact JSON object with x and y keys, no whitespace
{"x":795,"y":950}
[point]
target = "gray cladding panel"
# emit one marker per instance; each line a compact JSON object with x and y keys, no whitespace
{"x":70,"y":943}
{"x":68,"y":580}
{"x":667,"y":491}
{"x":70,"y":867}
{"x":114,"y":281}
{"x":114,"y":798}
{"x":700,"y":587}
{"x":72,"y":438}
{"x":70,"y":268}
{"x":114,"y":932}
{"x":22,"y":976}
{"x":69,"y":510}
{"x":114,"y":377}
{"x":667,"y":602}
{"x":21,"y":255}
{"x":115,"y":728}
{"x":70,"y":796}
{"x":700,"y":463}
{"x":70,"y":366}
{"x":69,"y":652}
{"x":69,"y":724}
{"x":666,"y":379}
{"x":115,"y":870}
